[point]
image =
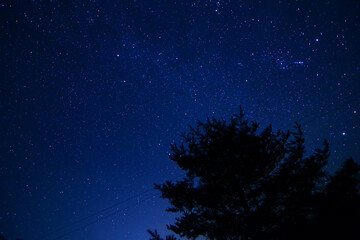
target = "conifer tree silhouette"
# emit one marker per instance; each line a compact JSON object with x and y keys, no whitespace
{"x":241,"y":184}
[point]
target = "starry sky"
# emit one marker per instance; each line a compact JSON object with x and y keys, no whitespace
{"x":93,"y":92}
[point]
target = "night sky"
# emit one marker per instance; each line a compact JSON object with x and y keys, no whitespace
{"x":93,"y":92}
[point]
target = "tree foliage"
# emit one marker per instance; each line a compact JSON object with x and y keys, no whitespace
{"x":242,"y":183}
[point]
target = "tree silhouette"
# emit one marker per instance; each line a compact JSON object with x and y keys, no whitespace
{"x":339,"y":210}
{"x":155,"y":236}
{"x":241,"y":184}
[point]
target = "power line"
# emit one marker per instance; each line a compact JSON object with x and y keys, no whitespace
{"x":94,"y":214}
{"x":101,"y":211}
{"x":104,"y":217}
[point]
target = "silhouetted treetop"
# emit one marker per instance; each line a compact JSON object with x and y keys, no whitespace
{"x":243,"y":183}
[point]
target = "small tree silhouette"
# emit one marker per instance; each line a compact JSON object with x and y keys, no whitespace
{"x":241,"y":184}
{"x":155,"y":236}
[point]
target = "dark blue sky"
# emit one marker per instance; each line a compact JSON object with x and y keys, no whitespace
{"x":93,"y":92}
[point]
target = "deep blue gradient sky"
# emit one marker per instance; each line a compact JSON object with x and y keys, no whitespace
{"x":93,"y":92}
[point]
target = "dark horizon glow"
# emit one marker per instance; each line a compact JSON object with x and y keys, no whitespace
{"x":93,"y":92}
